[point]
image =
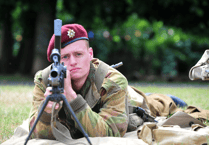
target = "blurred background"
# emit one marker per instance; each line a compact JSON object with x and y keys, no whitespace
{"x":155,"y":39}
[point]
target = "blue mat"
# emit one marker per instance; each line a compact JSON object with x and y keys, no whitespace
{"x":179,"y":102}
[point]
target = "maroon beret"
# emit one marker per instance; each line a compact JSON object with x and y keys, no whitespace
{"x":70,"y":33}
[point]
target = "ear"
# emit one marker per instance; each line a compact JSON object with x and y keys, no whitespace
{"x":91,"y":53}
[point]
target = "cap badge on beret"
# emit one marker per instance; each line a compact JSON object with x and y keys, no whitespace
{"x":71,"y":33}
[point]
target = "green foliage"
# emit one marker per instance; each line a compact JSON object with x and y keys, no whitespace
{"x":62,"y":14}
{"x":135,"y":32}
{"x":156,"y":48}
{"x":190,"y":15}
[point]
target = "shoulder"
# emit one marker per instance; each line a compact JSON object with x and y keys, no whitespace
{"x":113,"y":78}
{"x":41,"y":77}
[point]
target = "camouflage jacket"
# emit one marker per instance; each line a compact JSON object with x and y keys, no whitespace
{"x":101,"y":111}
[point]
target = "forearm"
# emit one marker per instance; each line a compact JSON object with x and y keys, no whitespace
{"x":110,"y":121}
{"x":43,"y":128}
{"x":98,"y":125}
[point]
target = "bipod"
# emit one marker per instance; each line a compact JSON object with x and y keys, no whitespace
{"x":56,"y":96}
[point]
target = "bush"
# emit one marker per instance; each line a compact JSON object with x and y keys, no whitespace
{"x":149,"y":48}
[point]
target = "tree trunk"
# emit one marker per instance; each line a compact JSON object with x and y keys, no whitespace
{"x":26,"y":52}
{"x":1,"y":45}
{"x":7,"y":43}
{"x":43,"y":32}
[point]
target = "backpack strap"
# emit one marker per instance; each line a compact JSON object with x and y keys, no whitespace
{"x":93,"y":96}
{"x":100,"y":74}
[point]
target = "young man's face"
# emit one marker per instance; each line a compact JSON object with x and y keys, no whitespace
{"x":77,"y":56}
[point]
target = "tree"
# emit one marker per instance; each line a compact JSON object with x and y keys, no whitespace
{"x":27,"y":46}
{"x":44,"y":30}
{"x":36,"y":20}
{"x":7,"y":36}
{"x":94,"y":14}
{"x":190,"y":15}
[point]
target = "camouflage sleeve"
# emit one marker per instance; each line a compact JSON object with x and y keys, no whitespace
{"x":112,"y":120}
{"x":43,"y":128}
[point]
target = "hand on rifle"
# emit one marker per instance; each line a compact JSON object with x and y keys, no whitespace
{"x":48,"y":108}
{"x":68,"y":92}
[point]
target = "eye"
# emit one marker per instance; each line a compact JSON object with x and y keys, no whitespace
{"x":65,"y":57}
{"x":78,"y":54}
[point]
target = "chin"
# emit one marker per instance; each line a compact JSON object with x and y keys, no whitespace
{"x":74,"y":77}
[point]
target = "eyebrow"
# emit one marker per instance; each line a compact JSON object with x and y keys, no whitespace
{"x":77,"y":51}
{"x":64,"y":55}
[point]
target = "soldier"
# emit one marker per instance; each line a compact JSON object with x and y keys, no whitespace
{"x":98,"y":94}
{"x":99,"y":102}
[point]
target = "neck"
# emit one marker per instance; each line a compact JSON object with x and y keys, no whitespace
{"x":78,"y":84}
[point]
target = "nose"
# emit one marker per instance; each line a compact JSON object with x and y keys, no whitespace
{"x":72,"y":61}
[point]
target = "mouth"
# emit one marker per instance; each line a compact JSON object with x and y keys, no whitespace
{"x":74,"y":69}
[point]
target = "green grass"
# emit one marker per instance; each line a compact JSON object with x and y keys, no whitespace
{"x":15,"y":77}
{"x":15,"y":103}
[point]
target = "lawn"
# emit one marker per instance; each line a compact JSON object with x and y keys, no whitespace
{"x":15,"y":102}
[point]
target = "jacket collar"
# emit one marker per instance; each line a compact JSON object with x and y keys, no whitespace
{"x":90,"y":78}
